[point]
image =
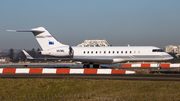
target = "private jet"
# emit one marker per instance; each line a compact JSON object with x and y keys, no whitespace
{"x":94,"y":55}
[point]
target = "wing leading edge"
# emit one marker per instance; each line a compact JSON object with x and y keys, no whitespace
{"x":83,"y":60}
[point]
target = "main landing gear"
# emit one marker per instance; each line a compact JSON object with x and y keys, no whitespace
{"x":95,"y":66}
{"x":88,"y":66}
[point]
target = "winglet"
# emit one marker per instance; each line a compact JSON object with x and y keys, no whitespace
{"x":27,"y":55}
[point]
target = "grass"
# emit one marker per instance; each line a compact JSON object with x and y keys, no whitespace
{"x":142,"y":71}
{"x":86,"y":89}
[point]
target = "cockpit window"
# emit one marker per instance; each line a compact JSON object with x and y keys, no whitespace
{"x":157,"y":50}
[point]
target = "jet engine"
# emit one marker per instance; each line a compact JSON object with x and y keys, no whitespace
{"x":59,"y":52}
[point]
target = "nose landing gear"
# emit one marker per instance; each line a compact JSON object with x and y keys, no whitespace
{"x":88,"y":66}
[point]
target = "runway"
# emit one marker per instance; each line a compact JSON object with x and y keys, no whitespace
{"x":151,"y":77}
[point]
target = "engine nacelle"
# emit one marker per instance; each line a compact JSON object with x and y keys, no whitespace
{"x":59,"y":52}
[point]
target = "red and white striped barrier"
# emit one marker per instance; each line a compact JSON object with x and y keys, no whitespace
{"x":170,"y":65}
{"x":151,"y":65}
{"x":140,"y":65}
{"x":64,"y":71}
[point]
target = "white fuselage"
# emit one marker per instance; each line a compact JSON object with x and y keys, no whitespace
{"x":132,"y":53}
{"x":117,"y":54}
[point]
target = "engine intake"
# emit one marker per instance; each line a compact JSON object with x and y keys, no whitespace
{"x":59,"y":52}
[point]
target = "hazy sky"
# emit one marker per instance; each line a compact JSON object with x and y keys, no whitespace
{"x":120,"y":22}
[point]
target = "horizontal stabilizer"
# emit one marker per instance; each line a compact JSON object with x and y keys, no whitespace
{"x":39,"y":29}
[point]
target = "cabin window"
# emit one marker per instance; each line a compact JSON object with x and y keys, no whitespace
{"x":96,"y":52}
{"x":138,"y":51}
{"x":91,"y":52}
{"x":130,"y":52}
{"x":113,"y":52}
{"x":100,"y":52}
{"x":121,"y":51}
{"x":117,"y":52}
{"x":84,"y":52}
{"x":109,"y":52}
{"x":157,"y":50}
{"x":104,"y":52}
{"x":88,"y":52}
{"x":134,"y":51}
{"x":126,"y":52}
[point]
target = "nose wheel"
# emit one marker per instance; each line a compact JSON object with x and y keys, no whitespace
{"x":159,"y":65}
{"x":88,"y":66}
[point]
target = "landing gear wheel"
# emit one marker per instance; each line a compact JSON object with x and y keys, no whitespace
{"x":159,"y":65}
{"x":86,"y":66}
{"x":95,"y":66}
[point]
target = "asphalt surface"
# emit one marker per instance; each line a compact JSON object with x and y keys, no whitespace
{"x":151,"y":77}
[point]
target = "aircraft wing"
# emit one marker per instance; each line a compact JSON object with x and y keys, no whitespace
{"x":31,"y":58}
{"x":80,"y":59}
{"x":89,"y":60}
{"x":27,"y":55}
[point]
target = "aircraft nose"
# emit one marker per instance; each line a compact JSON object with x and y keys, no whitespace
{"x":170,"y":57}
{"x":167,"y":57}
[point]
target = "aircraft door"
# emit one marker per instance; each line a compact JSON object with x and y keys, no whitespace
{"x":71,"y":51}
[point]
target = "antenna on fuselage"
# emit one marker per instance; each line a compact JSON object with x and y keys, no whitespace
{"x":128,"y":45}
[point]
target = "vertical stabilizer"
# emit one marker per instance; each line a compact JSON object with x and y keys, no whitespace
{"x":44,"y":38}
